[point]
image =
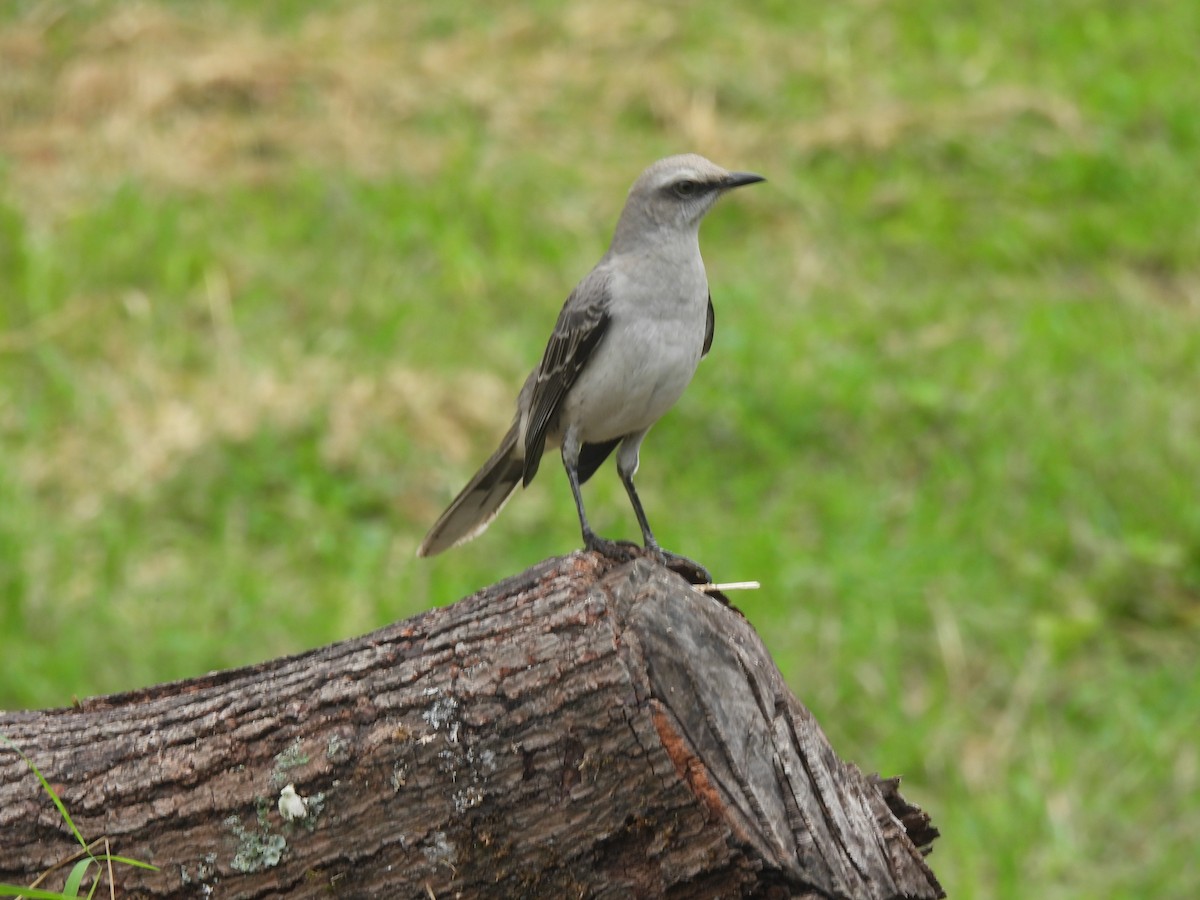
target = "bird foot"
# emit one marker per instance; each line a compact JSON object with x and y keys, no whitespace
{"x":622,"y":551}
{"x":627,"y":551}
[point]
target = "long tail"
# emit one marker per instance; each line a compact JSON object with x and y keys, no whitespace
{"x":480,"y":501}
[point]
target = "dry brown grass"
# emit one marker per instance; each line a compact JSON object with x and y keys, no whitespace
{"x":152,"y":93}
{"x":201,"y":97}
{"x":144,"y":422}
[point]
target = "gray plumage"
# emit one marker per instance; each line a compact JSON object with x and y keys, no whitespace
{"x":626,"y":344}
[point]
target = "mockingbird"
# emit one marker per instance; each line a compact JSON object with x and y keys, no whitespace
{"x":626,"y":344}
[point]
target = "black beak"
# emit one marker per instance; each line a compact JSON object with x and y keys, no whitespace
{"x":739,"y":179}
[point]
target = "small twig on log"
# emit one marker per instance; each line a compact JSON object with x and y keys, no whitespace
{"x":711,"y":588}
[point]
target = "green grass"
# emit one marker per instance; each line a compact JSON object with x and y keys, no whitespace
{"x":269,"y":281}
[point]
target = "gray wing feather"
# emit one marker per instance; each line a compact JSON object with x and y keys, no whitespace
{"x":709,"y":324}
{"x":580,"y":328}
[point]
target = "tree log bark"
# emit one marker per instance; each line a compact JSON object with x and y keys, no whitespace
{"x":584,"y":729}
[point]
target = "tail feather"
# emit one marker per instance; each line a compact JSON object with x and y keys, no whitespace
{"x":480,"y":501}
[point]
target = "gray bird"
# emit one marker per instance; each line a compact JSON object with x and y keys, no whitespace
{"x":626,"y":344}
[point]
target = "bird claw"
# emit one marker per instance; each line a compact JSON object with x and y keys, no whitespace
{"x":692,"y":571}
{"x":627,"y":551}
{"x":621,"y":551}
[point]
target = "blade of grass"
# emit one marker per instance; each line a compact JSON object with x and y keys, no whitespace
{"x":75,"y":879}
{"x":62,"y":809}
{"x":125,"y":861}
{"x":16,"y":890}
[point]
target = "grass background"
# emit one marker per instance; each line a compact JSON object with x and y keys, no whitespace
{"x":271,"y":274}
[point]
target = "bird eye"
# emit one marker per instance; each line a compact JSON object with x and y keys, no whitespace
{"x":685,"y":189}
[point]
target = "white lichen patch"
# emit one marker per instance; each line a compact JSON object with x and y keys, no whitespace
{"x":205,"y":870}
{"x":442,"y":714}
{"x":440,"y":850}
{"x":257,"y":850}
{"x":337,"y":749}
{"x":468,"y":798}
{"x":483,"y":762}
{"x":291,"y":758}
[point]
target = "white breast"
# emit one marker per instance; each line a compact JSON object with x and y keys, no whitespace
{"x":638,"y":372}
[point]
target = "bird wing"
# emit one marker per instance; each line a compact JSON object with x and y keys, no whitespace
{"x":709,"y":324}
{"x":580,"y":328}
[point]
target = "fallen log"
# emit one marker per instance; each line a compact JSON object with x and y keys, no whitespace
{"x":586,"y":728}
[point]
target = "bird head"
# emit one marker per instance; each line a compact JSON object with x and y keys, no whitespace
{"x":675,"y":193}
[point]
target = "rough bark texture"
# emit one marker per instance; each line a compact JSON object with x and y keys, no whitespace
{"x":584,"y":729}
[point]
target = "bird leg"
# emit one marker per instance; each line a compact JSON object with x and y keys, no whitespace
{"x":620,"y":550}
{"x":627,"y":465}
{"x":647,"y":534}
